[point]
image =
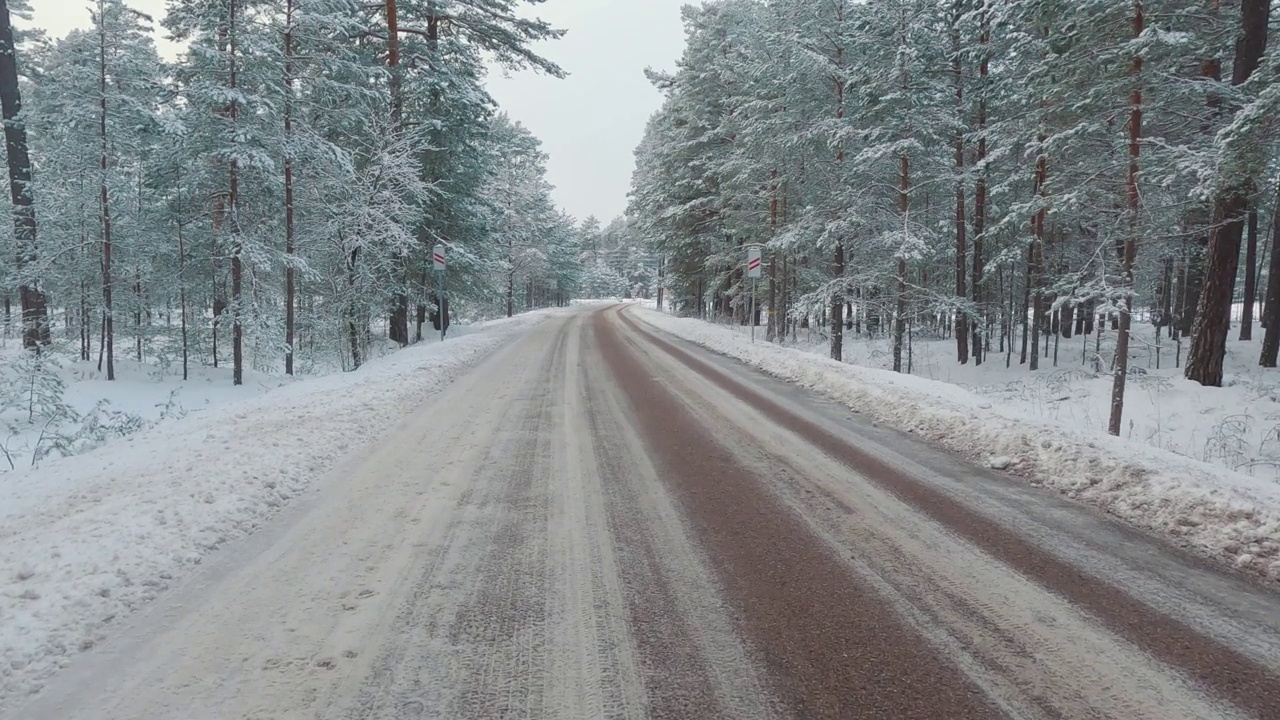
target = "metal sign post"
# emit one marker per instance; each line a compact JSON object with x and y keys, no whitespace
{"x":437,"y":257}
{"x":753,"y":272}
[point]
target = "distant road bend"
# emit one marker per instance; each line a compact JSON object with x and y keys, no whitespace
{"x":601,"y":521}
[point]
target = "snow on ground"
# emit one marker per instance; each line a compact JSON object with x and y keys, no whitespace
{"x":86,"y":539}
{"x":1049,"y":427}
{"x":1236,"y":426}
{"x":141,"y":395}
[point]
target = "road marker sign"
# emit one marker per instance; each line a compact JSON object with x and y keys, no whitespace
{"x":753,"y":262}
{"x":754,"y":272}
{"x":442,"y":293}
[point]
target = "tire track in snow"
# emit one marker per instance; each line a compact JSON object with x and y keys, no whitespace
{"x":437,"y":660}
{"x":1037,"y":656}
{"x":1201,"y":661}
{"x":593,"y":672}
{"x":831,"y":645}
{"x":694,"y":663}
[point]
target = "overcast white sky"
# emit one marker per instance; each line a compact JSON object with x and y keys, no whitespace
{"x":589,"y":123}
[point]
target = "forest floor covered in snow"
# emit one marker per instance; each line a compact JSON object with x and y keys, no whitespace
{"x":1197,"y":465}
{"x":88,"y":538}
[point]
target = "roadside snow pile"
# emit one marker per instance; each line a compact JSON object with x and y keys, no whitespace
{"x":1208,"y":509}
{"x":1236,"y":426}
{"x":87,"y":539}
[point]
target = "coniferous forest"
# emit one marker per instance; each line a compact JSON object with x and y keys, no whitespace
{"x":1007,"y":173}
{"x":271,"y":198}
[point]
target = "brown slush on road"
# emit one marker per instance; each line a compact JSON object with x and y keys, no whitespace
{"x":833,"y":648}
{"x":1221,"y":670}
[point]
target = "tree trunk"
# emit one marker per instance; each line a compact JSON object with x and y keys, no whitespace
{"x":662,"y":281}
{"x":104,"y":202}
{"x":182,"y":282}
{"x":1026,"y":304}
{"x":511,"y":293}
{"x":398,"y":327}
{"x":1035,"y":271}
{"x":837,"y":306}
{"x":837,"y":297}
{"x":1131,"y":240}
{"x":353,"y":309}
{"x":1006,"y":313}
{"x":1213,"y":320}
{"x":289,"y":270}
{"x":957,"y":72}
{"x":900,"y":311}
{"x":421,"y":318}
{"x":216,"y":288}
{"x":771,"y":333}
{"x":980,"y":187}
{"x":86,"y":332}
{"x":783,"y":301}
{"x":137,"y":312}
{"x":1259,"y":288}
{"x":1209,"y":335}
{"x":1250,"y":277}
{"x":1166,"y":297}
{"x":35,"y":314}
{"x":233,"y":210}
{"x":1271,"y":311}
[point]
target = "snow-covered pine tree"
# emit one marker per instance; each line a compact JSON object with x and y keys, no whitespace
{"x":27,"y":274}
{"x":1081,"y":218}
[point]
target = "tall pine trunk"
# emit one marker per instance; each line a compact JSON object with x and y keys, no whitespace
{"x":233,"y":210}
{"x":290,"y":277}
{"x":980,"y":187}
{"x":137,"y":312}
{"x":837,"y":261}
{"x":353,"y":308}
{"x":1231,"y":204}
{"x":900,"y":309}
{"x":1026,"y":303}
{"x":511,"y":293}
{"x":662,"y":284}
{"x":398,"y":327}
{"x":1271,"y":310}
{"x":784,"y":288}
{"x":182,"y":282}
{"x":1250,"y":277}
{"x":35,"y":313}
{"x":1035,"y":258}
{"x":904,"y":190}
{"x":957,"y":73}
{"x":104,"y":201}
{"x":86,"y":331}
{"x":771,"y":330}
{"x":1131,"y":240}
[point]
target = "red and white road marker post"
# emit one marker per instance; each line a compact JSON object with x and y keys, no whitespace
{"x":753,"y":272}
{"x":438,"y":261}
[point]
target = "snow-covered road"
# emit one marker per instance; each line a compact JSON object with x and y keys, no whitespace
{"x":601,"y":521}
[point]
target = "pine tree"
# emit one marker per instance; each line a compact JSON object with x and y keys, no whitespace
{"x":1233,"y":186}
{"x":35,"y":316}
{"x":1030,"y":104}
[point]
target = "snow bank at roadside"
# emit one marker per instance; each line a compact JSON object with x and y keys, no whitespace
{"x":1226,"y":515}
{"x":87,"y":539}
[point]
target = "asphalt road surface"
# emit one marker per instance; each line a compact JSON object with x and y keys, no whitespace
{"x":601,"y":521}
